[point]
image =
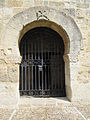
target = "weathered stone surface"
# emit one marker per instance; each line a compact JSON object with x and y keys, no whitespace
{"x":84,"y":109}
{"x":61,"y":109}
{"x":14,"y":17}
{"x":9,"y":94}
{"x":14,"y":3}
{"x":5,"y":113}
{"x":13,"y":73}
{"x":2,"y":3}
{"x":3,"y":72}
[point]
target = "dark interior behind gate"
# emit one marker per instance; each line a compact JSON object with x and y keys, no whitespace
{"x":42,"y":67}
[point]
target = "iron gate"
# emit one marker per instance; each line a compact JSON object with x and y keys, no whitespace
{"x":42,"y":66}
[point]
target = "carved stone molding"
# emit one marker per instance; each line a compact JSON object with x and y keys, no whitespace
{"x":41,"y":15}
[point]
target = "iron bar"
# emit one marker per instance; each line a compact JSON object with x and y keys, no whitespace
{"x":45,"y":74}
{"x":22,"y":76}
{"x":32,"y":65}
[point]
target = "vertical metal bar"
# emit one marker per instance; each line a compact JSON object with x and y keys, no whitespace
{"x":25,"y":77}
{"x":35,"y":77}
{"x":45,"y":75}
{"x":20,"y":78}
{"x":39,"y":78}
{"x":61,"y":72}
{"x":35,"y":68}
{"x":28,"y":68}
{"x":22,"y":75}
{"x":39,"y":59}
{"x":48,"y":66}
{"x":58,"y":74}
{"x":59,"y":68}
{"x":42,"y":60}
{"x":52,"y":74}
{"x":25,"y":50}
{"x":29,"y":77}
{"x":56,"y":67}
{"x":32,"y":65}
{"x":52,"y":66}
{"x":48,"y":77}
{"x":25,"y":67}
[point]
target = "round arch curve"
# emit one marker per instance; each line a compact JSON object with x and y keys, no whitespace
{"x":49,"y":24}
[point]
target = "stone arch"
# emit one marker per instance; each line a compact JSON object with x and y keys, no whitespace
{"x":56,"y":20}
{"x":49,"y":24}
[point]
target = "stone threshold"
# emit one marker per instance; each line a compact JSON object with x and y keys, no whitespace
{"x":34,"y":101}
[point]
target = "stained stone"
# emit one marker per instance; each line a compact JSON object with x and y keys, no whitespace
{"x":2,"y":3}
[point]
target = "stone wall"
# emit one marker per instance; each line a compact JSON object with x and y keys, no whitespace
{"x":79,"y":11}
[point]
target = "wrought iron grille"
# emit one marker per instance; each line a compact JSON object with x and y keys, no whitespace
{"x":42,"y":66}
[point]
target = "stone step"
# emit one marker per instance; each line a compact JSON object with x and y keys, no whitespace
{"x":45,"y":109}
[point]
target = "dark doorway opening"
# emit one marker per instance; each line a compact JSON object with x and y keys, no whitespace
{"x":42,"y":67}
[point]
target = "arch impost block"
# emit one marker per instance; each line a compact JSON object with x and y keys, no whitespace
{"x":13,"y":59}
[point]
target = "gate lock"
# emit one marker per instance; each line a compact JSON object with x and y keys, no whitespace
{"x":40,"y":67}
